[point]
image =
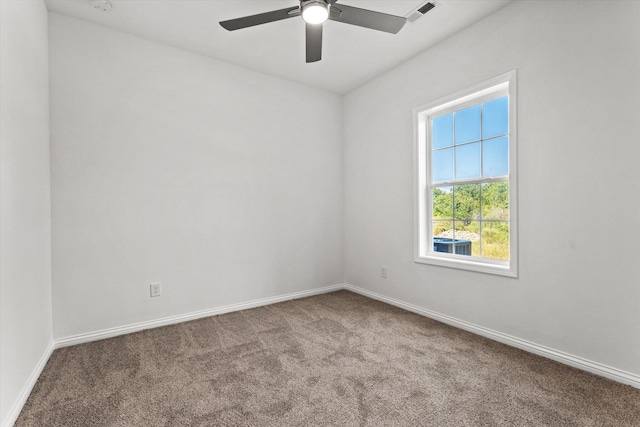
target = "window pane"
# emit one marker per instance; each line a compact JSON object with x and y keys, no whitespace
{"x":495,"y":157}
{"x":468,"y":161}
{"x":467,"y":236}
{"x":495,"y":201}
{"x":495,"y":240}
{"x":466,"y":202}
{"x":442,"y":165}
{"x":442,"y":131}
{"x":442,"y":203}
{"x":495,"y":117}
{"x":442,"y":230}
{"x":468,"y":124}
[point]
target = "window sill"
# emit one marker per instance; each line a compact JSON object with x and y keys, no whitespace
{"x":477,"y":266}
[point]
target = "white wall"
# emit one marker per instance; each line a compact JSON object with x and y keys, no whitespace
{"x":221,"y":183}
{"x":25,"y":225}
{"x":579,"y":95}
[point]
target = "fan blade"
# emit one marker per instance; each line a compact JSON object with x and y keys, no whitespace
{"x":261,"y":18}
{"x":314,"y":42}
{"x":368,"y":18}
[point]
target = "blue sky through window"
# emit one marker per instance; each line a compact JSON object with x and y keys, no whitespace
{"x":495,"y":118}
{"x":467,"y":123}
{"x":495,"y":157}
{"x":487,"y":123}
{"x":468,"y":161}
{"x":443,"y":165}
{"x":442,"y":131}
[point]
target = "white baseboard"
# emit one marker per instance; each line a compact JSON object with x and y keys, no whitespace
{"x":135,"y":327}
{"x":16,"y":408}
{"x":559,"y":356}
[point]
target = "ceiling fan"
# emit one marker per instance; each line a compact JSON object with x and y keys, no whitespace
{"x":315,"y":13}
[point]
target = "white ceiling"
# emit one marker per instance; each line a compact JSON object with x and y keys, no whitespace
{"x":351,"y":55}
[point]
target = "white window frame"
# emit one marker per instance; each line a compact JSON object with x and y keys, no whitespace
{"x":423,"y":246}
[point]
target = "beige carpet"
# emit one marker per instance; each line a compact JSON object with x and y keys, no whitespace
{"x":336,"y":359}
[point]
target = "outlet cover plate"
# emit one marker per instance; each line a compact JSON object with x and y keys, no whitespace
{"x":155,"y":289}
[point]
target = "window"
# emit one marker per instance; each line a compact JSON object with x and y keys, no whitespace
{"x":466,"y":179}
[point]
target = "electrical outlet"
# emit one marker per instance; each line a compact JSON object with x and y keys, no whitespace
{"x":383,"y":272}
{"x":155,"y":289}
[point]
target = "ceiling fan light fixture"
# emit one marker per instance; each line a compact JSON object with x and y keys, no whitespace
{"x":315,"y":12}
